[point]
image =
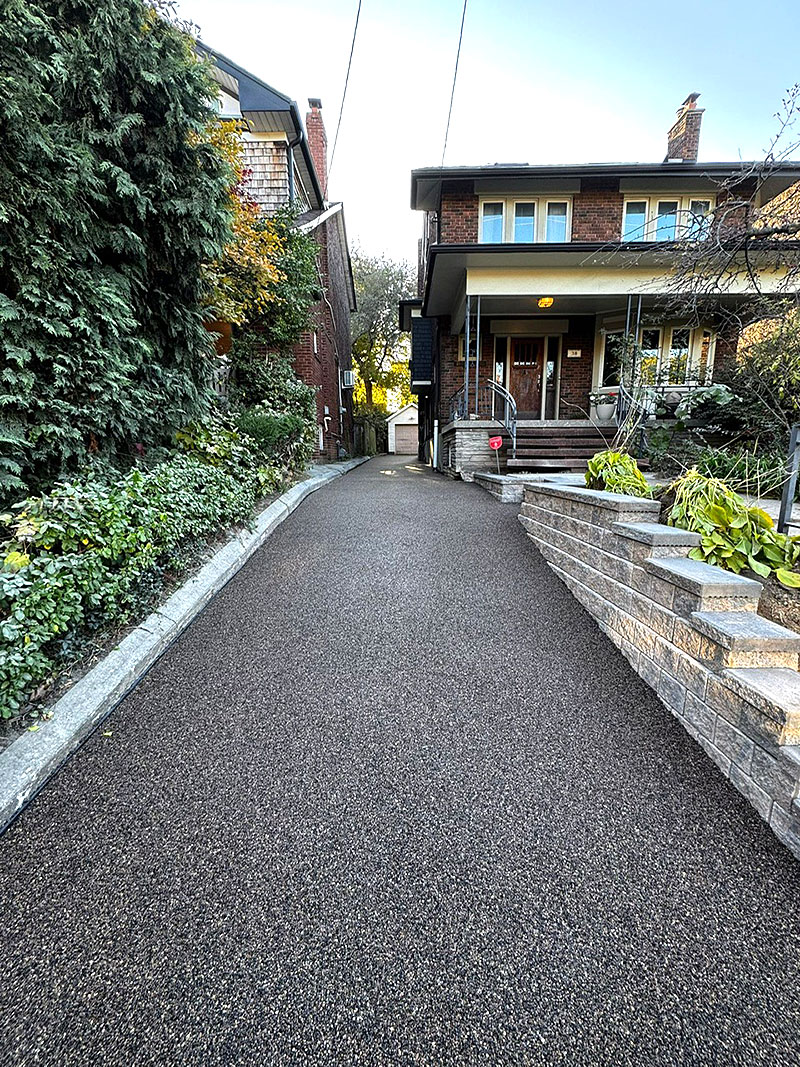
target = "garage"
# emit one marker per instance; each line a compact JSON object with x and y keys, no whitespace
{"x":403,"y":430}
{"x":405,"y":439}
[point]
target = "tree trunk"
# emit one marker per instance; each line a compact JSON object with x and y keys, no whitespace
{"x":368,"y":391}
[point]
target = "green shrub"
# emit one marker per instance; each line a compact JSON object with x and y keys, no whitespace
{"x":734,"y":536}
{"x":616,"y":472}
{"x":746,"y":471}
{"x":283,"y":439}
{"x":89,"y":555}
{"x":112,"y":200}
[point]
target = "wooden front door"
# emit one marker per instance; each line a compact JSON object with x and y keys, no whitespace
{"x":525,"y":378}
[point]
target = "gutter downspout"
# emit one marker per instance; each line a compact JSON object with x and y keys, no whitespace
{"x":292,"y":145}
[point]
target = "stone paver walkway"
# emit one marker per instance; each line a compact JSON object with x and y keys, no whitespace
{"x":393,"y":799}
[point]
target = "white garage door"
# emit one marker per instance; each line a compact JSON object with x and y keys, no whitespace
{"x":405,"y":439}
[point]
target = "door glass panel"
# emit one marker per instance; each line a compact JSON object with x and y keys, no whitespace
{"x":556,"y":222}
{"x":524,"y":223}
{"x":635,"y":220}
{"x":667,"y":222}
{"x":492,"y":223}
{"x":500,"y":345}
{"x":551,"y":378}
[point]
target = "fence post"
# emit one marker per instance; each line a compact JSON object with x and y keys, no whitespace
{"x":790,"y":486}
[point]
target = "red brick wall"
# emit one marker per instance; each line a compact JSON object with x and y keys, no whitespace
{"x":318,"y":143}
{"x":597,"y":212}
{"x":459,"y":214}
{"x":683,"y":140}
{"x":321,"y":369}
{"x":576,"y":374}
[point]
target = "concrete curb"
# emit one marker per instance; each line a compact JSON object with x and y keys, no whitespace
{"x":28,"y":763}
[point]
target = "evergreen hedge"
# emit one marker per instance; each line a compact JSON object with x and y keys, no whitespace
{"x":112,"y":199}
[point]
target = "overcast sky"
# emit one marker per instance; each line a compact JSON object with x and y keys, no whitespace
{"x":579,"y":82}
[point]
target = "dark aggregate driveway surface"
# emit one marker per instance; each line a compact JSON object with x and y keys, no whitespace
{"x":393,"y":799}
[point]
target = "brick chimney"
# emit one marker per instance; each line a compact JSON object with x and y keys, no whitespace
{"x":683,"y":140}
{"x":318,"y":143}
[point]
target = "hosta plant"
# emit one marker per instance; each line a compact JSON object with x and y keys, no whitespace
{"x":616,"y":472}
{"x":734,"y":535}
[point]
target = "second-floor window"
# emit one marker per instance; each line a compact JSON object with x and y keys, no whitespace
{"x":536,"y":220}
{"x":654,"y":218}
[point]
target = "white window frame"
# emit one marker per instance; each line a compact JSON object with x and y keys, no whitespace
{"x":666,"y":331}
{"x":540,"y":205}
{"x":504,"y":216}
{"x":683,"y":227}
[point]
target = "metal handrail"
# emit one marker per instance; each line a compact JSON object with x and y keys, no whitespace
{"x":790,"y":485}
{"x":509,"y":411}
{"x":458,"y":404}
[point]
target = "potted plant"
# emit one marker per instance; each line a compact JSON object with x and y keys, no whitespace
{"x":604,"y":405}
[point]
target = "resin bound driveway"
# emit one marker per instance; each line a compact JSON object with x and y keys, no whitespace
{"x":393,"y":799}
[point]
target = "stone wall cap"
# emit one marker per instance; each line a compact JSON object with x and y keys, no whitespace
{"x":597,"y":497}
{"x":742,"y":630}
{"x":703,"y":579}
{"x":655,"y":533}
{"x":776,"y":690}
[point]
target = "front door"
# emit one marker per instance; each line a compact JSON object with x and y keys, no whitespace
{"x":525,"y":378}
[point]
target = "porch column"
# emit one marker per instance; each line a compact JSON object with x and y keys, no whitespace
{"x":466,"y":361}
{"x":477,"y":356}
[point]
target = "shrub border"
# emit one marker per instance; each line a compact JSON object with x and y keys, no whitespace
{"x":31,"y":760}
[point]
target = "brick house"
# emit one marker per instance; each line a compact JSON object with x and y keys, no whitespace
{"x":287,"y":164}
{"x":530,"y":277}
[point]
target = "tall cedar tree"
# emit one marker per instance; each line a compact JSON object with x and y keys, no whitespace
{"x":111,"y":200}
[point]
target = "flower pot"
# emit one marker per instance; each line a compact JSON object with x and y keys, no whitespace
{"x":604,"y":411}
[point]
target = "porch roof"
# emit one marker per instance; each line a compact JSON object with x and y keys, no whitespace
{"x":583,"y":277}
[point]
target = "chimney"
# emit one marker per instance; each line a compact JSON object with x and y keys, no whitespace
{"x":318,"y":143}
{"x":683,"y":139}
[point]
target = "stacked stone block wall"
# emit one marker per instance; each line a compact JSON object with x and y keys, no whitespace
{"x":691,"y":631}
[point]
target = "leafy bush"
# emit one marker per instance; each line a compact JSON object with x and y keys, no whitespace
{"x":755,"y":473}
{"x":281,"y":439}
{"x":112,"y":200}
{"x":734,"y":536}
{"x":88,"y":554}
{"x":616,"y":472}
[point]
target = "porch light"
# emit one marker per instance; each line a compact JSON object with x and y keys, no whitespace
{"x":545,"y":301}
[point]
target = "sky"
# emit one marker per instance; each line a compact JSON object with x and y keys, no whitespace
{"x":588,"y":81}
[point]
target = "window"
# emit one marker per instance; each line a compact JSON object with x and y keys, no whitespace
{"x":649,"y":356}
{"x":667,"y":220}
{"x":556,"y":224}
{"x":653,"y":219}
{"x":679,"y":347}
{"x":532,"y":221}
{"x":524,"y":223}
{"x":612,"y":358}
{"x":699,"y":220}
{"x":492,"y":223}
{"x":635,"y":220}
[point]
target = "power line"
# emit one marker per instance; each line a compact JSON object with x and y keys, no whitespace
{"x":455,"y":75}
{"x":344,"y":93}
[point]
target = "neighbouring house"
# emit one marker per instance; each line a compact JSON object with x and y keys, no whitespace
{"x":532,"y":280}
{"x":403,"y":430}
{"x":287,"y":164}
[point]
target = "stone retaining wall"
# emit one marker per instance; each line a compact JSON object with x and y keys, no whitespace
{"x":464,"y":448}
{"x":691,"y":631}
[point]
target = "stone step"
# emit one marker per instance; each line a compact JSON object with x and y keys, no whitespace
{"x":775,"y":692}
{"x":745,"y":639}
{"x":657,"y":534}
{"x":701,"y":587}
